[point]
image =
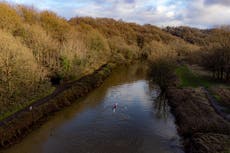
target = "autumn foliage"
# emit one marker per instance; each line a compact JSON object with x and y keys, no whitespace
{"x":40,"y":50}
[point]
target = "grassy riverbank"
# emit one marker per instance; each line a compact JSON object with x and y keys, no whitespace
{"x":21,"y":123}
{"x":17,"y":108}
{"x":191,"y":77}
{"x":43,"y":53}
{"x":188,"y":78}
{"x":203,"y":130}
{"x":41,"y":50}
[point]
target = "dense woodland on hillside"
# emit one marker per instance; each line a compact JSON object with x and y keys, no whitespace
{"x":214,"y":53}
{"x":40,"y":50}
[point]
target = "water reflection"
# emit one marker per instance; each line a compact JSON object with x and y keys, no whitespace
{"x":93,"y":125}
{"x":161,"y":106}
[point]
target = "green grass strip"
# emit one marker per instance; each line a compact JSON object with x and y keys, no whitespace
{"x":20,"y":107}
{"x":189,"y":79}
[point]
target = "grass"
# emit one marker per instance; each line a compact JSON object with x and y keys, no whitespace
{"x":22,"y":106}
{"x":228,"y":151}
{"x":227,"y":148}
{"x":189,"y":79}
{"x":221,"y":103}
{"x":218,"y":98}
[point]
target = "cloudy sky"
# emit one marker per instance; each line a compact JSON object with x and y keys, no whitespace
{"x":196,"y":13}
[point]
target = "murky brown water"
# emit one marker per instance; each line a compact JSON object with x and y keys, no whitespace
{"x":141,"y":123}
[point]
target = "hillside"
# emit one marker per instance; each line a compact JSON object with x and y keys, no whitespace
{"x":217,"y":37}
{"x":40,"y":50}
{"x":47,"y":62}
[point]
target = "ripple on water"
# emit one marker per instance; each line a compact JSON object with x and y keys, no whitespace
{"x":141,"y":123}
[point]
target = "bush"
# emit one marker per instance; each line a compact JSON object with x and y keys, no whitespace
{"x":28,"y":14}
{"x":162,"y":71}
{"x":38,"y":45}
{"x":156,"y":50}
{"x":9,"y":19}
{"x":217,"y":60}
{"x":56,"y":26}
{"x":20,"y":74}
{"x":121,"y":51}
{"x":43,"y":47}
{"x":98,"y":52}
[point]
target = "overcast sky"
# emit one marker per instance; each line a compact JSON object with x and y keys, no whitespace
{"x":196,"y":13}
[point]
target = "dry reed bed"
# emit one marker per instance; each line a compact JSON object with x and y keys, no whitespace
{"x":202,"y":129}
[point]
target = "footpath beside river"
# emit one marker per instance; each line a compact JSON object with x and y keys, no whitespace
{"x":141,"y":122}
{"x":204,"y":129}
{"x":17,"y":126}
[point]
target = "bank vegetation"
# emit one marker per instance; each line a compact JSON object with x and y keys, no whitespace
{"x":40,"y":51}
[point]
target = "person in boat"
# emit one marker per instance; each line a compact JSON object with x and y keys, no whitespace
{"x":115,"y":106}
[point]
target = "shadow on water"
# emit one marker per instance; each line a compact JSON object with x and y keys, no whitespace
{"x":161,"y":106}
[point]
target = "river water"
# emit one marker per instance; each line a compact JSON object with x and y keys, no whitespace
{"x":140,"y":123}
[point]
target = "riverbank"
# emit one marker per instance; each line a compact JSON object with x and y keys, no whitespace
{"x":201,"y":127}
{"x":17,"y":126}
{"x":141,"y":122}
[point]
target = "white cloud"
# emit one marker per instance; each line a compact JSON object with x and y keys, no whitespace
{"x":199,"y":13}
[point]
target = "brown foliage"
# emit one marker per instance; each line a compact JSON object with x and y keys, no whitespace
{"x":217,"y":60}
{"x":19,"y":71}
{"x":201,"y":127}
{"x":9,"y":19}
{"x":194,"y":112}
{"x":218,"y":37}
{"x":42,"y":46}
{"x":56,"y":26}
{"x":28,"y":14}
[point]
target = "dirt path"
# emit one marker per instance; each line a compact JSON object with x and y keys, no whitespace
{"x":38,"y":102}
{"x":202,"y":128}
{"x":16,"y":126}
{"x":57,"y":91}
{"x":215,"y":105}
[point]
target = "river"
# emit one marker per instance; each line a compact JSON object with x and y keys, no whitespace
{"x":141,"y":122}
